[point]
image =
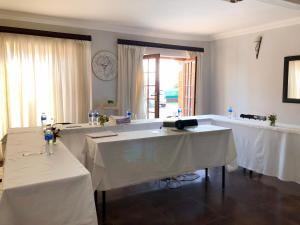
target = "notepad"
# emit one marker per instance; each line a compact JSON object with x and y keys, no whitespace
{"x":73,"y":126}
{"x":102,"y":134}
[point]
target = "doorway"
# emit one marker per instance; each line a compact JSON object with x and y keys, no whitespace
{"x":169,"y":86}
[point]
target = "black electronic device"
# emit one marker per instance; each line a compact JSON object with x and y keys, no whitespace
{"x":253,"y":117}
{"x":181,"y":124}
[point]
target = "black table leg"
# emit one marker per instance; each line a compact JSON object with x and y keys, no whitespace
{"x":103,"y":207}
{"x":223,"y":178}
{"x":206,"y":174}
{"x":244,"y":171}
{"x":96,"y":198}
{"x":250,"y":173}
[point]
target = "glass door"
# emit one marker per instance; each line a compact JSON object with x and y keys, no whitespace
{"x":187,"y":87}
{"x":151,"y":85}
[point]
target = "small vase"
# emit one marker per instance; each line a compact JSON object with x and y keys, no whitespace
{"x":272,"y":123}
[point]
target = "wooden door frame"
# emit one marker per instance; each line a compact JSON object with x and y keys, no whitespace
{"x":157,"y":83}
{"x":195,"y":88}
{"x":157,"y":57}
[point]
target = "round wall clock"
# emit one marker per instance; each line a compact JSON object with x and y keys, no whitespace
{"x":104,"y":65}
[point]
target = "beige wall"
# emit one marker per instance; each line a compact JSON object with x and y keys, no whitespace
{"x":102,"y":40}
{"x":253,"y":85}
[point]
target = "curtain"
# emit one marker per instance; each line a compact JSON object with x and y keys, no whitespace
{"x":131,"y":80}
{"x":40,"y":74}
{"x":199,"y":108}
{"x":294,"y":79}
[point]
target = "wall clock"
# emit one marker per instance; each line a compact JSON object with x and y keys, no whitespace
{"x":104,"y":65}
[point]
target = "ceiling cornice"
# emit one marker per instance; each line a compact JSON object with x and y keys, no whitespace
{"x":97,"y":25}
{"x":103,"y":26}
{"x":257,"y":29}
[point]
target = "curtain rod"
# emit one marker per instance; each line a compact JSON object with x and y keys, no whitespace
{"x":42,"y":33}
{"x":159,"y":45}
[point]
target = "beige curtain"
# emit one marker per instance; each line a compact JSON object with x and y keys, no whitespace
{"x":294,"y":79}
{"x":39,"y":74}
{"x":131,"y":80}
{"x":199,"y":109}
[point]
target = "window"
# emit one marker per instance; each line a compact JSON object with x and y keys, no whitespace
{"x":40,"y":74}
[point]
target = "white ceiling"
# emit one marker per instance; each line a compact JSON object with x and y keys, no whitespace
{"x":185,"y":17}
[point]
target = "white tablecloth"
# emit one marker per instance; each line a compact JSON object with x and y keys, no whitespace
{"x":272,"y":151}
{"x":42,"y":189}
{"x":139,"y":156}
{"x":74,"y":138}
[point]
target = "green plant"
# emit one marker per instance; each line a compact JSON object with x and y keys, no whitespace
{"x":103,"y":119}
{"x":272,"y":119}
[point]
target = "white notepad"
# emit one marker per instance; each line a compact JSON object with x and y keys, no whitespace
{"x":102,"y":134}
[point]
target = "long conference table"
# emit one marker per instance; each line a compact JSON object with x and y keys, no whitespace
{"x":41,"y":189}
{"x":58,"y":189}
{"x":271,"y":151}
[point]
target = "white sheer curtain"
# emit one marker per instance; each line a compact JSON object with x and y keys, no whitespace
{"x":131,"y":80}
{"x":39,"y":74}
{"x":294,"y":79}
{"x":199,"y":81}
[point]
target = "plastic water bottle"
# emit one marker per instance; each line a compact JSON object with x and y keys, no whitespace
{"x":91,"y":117}
{"x":128,"y":114}
{"x":48,"y":136}
{"x":230,"y":112}
{"x":43,"y":120}
{"x":179,"y":112}
{"x":96,"y":118}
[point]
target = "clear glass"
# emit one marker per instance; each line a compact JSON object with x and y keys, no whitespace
{"x":152,"y":78}
{"x":151,"y":93}
{"x":152,"y":65}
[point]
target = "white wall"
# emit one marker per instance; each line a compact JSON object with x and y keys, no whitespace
{"x":103,"y":40}
{"x":253,"y":85}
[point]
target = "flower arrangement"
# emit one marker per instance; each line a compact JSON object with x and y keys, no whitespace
{"x":55,"y":131}
{"x":103,"y":119}
{"x":272,"y":118}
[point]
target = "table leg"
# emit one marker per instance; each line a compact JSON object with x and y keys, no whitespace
{"x":96,"y":198}
{"x":244,"y":171}
{"x":206,"y":174}
{"x":250,"y":173}
{"x":103,"y":207}
{"x":223,"y":177}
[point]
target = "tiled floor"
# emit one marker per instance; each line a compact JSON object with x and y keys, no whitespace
{"x":257,"y":201}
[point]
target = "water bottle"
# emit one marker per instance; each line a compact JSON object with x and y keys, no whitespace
{"x":128,"y":114}
{"x":48,"y":136}
{"x":91,"y":117}
{"x":43,"y":120}
{"x":179,"y":112}
{"x":96,"y":118}
{"x":230,"y":112}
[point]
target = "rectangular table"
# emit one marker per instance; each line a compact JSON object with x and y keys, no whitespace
{"x":73,"y":136}
{"x":42,"y":189}
{"x":272,"y":151}
{"x":140,"y":156}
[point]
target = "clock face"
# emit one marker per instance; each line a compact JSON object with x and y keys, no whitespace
{"x":104,"y":65}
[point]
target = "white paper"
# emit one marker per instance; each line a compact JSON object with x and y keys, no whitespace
{"x":102,"y":134}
